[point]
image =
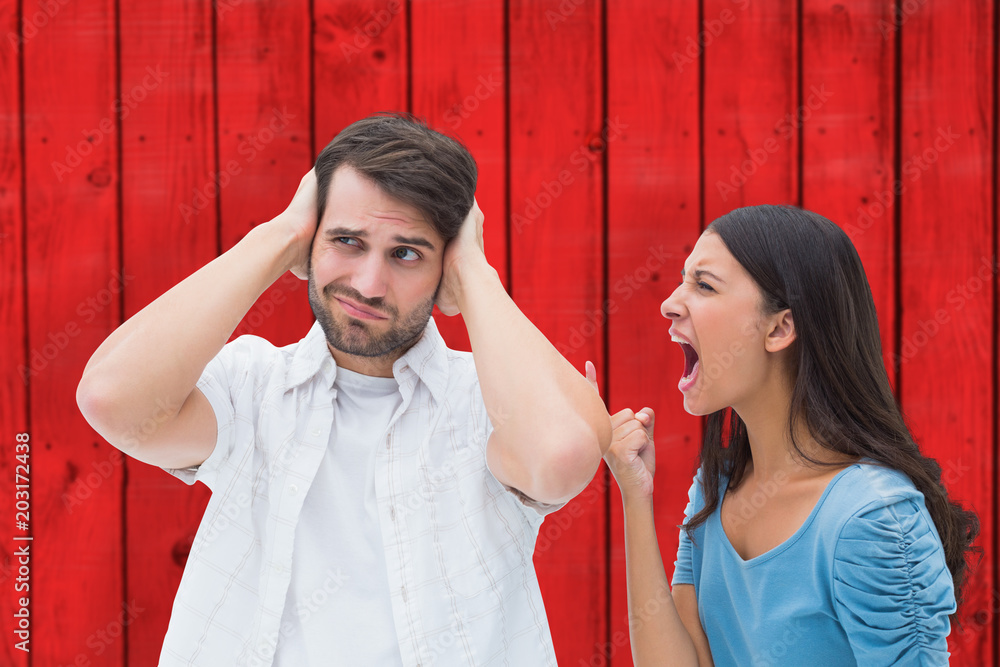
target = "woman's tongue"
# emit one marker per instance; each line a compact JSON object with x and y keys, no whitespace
{"x":690,"y":359}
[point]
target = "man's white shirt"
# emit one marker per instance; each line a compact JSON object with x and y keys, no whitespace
{"x":353,"y":621}
{"x":456,"y":544}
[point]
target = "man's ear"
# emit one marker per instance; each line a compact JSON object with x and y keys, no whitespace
{"x":781,"y":331}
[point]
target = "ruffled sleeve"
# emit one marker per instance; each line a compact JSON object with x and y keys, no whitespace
{"x":892,"y":589}
{"x":683,"y":566}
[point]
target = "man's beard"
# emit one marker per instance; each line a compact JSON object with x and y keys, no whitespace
{"x":356,"y":337}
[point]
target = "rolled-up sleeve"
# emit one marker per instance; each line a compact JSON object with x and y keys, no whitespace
{"x":223,"y":380}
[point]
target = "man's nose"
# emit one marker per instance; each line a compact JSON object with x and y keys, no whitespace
{"x":369,"y":277}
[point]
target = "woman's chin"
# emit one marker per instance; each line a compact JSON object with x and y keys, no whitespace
{"x":691,"y":406}
{"x":695,"y":405}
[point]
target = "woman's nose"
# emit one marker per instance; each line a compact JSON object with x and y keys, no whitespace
{"x":673,"y":306}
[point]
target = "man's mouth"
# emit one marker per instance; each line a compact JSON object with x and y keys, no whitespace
{"x":691,"y":365}
{"x":358,"y":311}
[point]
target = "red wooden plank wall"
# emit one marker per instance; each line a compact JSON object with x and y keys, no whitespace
{"x":946,"y":164}
{"x":557,"y":244}
{"x":654,"y":218}
{"x":140,"y":139}
{"x":13,"y":392}
{"x":167,"y":233}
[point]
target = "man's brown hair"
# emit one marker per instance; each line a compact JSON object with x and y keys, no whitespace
{"x":408,"y":161}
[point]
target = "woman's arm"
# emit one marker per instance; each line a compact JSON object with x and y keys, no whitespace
{"x":687,"y":608}
{"x":664,"y":627}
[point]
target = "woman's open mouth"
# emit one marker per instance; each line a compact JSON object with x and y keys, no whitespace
{"x":691,"y":365}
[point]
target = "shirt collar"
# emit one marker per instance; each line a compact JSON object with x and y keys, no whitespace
{"x":427,"y":360}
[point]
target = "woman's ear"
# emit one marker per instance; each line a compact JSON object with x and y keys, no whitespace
{"x":781,"y":332}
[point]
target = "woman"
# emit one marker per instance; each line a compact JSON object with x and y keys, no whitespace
{"x":816,"y":532}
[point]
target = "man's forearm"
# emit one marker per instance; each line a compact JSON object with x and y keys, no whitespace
{"x":151,"y":363}
{"x":551,"y":427}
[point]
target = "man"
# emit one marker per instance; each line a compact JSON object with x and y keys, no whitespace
{"x":375,"y":496}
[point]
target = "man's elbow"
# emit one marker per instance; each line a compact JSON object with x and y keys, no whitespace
{"x":92,"y":399}
{"x":569,"y":467}
{"x":98,"y":406}
{"x":102,"y":405}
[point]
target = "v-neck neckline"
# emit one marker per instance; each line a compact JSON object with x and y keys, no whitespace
{"x":779,"y":548}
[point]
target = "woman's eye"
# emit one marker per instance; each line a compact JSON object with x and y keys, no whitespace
{"x":705,"y":286}
{"x":407,"y":254}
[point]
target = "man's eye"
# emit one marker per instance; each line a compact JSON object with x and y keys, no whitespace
{"x":407,"y":254}
{"x":347,"y":240}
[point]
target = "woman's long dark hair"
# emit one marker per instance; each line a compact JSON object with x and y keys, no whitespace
{"x":803,"y":262}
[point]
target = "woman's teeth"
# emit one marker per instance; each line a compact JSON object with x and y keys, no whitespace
{"x":690,"y":359}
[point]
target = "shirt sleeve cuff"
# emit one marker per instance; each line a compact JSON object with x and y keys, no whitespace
{"x":207,"y":471}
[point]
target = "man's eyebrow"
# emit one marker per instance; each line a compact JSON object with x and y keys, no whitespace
{"x":360,"y":233}
{"x":415,"y":240}
{"x":344,"y":231}
{"x":702,"y":272}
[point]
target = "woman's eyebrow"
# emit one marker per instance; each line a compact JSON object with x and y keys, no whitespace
{"x":702,"y":272}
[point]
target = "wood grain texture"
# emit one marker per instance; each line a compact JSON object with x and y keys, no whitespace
{"x":949,"y":274}
{"x":654,"y":221}
{"x":458,"y":71}
{"x":751,"y":109}
{"x":74,"y":285}
{"x":361,"y":62}
{"x":253,"y":90}
{"x":848,"y":147}
{"x":265,"y":141}
{"x":558,"y":137}
{"x":15,"y":365}
{"x":169,"y":230}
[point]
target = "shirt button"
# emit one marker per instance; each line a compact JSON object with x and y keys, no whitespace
{"x":402,"y":590}
{"x":388,"y":442}
{"x":392,"y":512}
{"x":293,"y":488}
{"x":316,"y":432}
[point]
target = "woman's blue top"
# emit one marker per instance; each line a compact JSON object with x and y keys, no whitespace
{"x":862,"y":582}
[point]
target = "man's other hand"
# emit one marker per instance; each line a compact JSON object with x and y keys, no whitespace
{"x":299,"y":221}
{"x":460,"y":254}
